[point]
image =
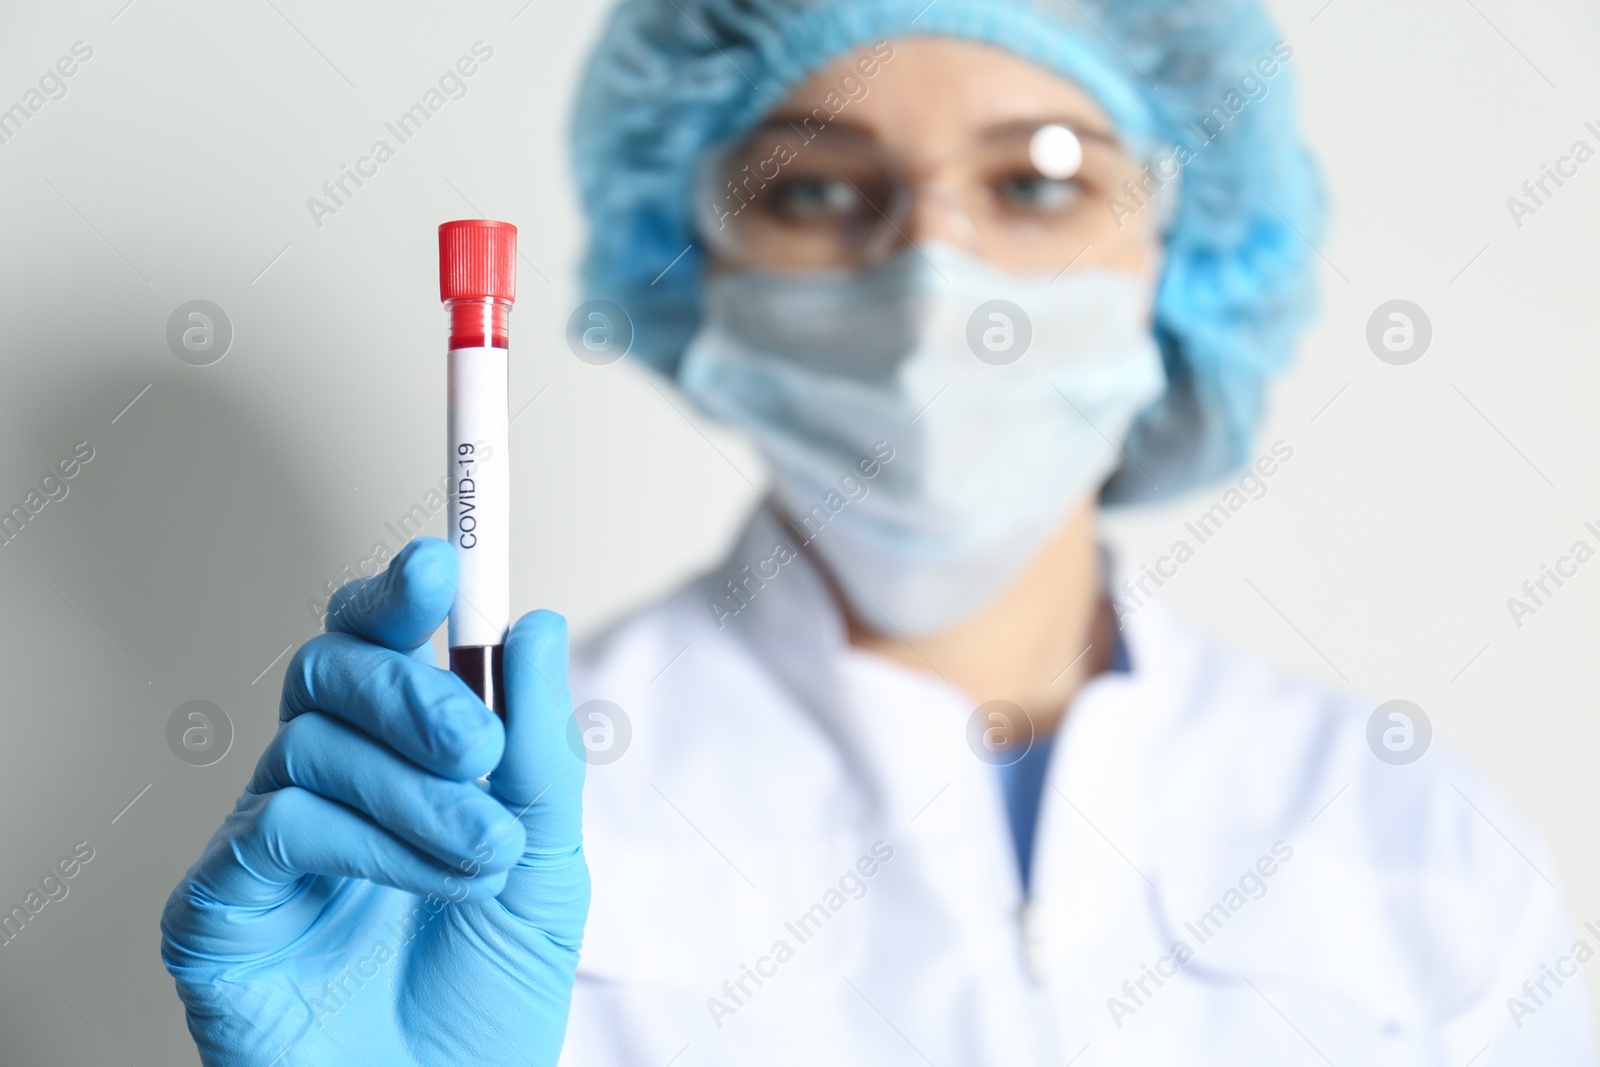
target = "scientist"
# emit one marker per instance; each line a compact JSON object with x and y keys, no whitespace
{"x":897,"y":783}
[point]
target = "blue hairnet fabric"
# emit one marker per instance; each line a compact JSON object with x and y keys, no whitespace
{"x":671,"y":78}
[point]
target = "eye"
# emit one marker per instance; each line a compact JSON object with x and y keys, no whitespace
{"x":1037,"y":195}
{"x":804,"y":200}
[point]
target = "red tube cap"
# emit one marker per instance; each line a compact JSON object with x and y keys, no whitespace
{"x":477,"y":260}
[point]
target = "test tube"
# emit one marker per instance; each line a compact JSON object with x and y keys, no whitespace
{"x":478,"y":284}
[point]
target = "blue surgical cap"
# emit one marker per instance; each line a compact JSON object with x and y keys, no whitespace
{"x":1206,"y":78}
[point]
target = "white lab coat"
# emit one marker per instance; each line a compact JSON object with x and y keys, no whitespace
{"x":793,"y":808}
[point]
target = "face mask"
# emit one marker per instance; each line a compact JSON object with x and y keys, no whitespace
{"x":931,"y":423}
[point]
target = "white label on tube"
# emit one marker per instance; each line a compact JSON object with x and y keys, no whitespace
{"x":480,"y":495}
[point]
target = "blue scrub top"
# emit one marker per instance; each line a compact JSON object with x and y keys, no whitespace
{"x":1022,"y":784}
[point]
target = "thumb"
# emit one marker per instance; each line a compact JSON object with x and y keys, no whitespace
{"x":402,"y":607}
{"x":541,"y":780}
{"x":540,"y":775}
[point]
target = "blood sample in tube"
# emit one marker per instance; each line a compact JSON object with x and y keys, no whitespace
{"x":478,"y":284}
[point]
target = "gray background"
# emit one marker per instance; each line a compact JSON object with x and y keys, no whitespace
{"x":180,"y":565}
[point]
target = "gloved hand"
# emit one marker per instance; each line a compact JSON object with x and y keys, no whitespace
{"x":368,"y":901}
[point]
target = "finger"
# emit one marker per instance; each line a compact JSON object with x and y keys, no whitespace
{"x":427,"y":715}
{"x":540,"y":776}
{"x":271,"y":841}
{"x":541,"y":779}
{"x":402,"y":607}
{"x":455,"y":822}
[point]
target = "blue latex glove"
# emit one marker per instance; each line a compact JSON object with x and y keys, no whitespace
{"x":368,"y":901}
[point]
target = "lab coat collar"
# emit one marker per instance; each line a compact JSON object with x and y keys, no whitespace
{"x":908,"y":748}
{"x":802,"y":625}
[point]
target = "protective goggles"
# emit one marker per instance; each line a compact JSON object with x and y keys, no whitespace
{"x":1025,"y":197}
